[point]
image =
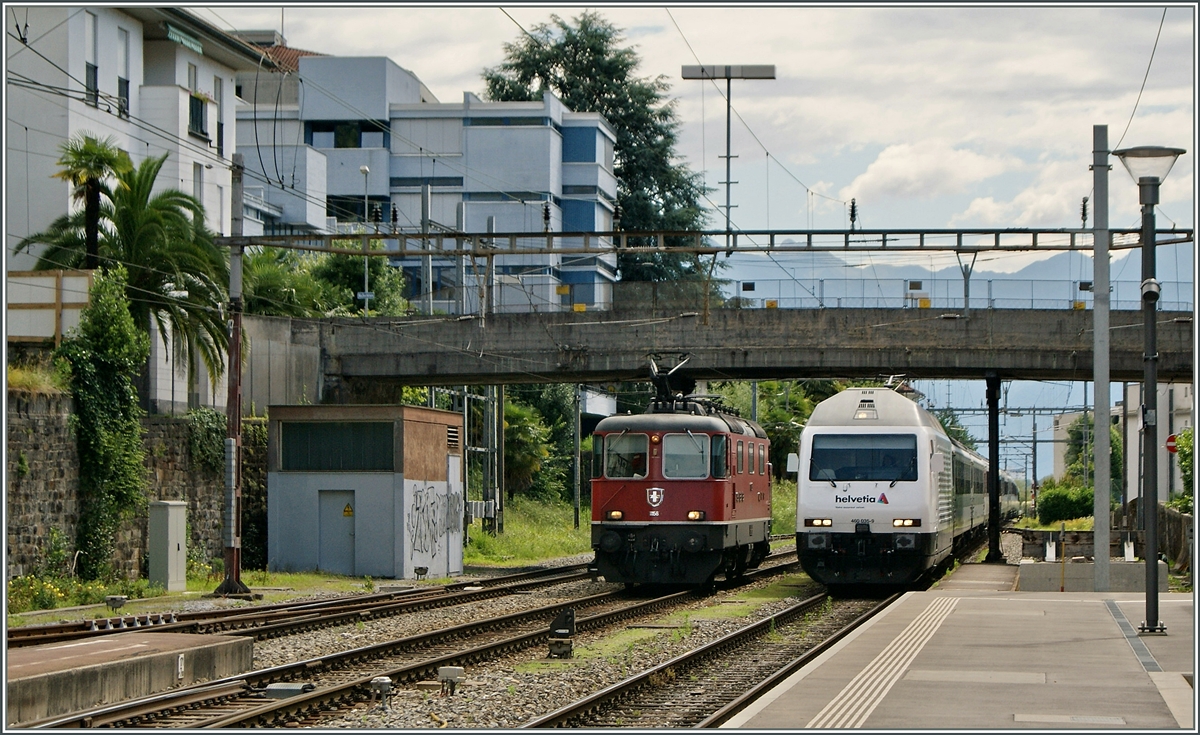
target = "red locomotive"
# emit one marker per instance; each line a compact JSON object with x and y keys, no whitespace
{"x":680,"y":493}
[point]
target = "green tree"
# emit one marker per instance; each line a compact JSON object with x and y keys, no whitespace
{"x":342,"y":279}
{"x":555,"y":404}
{"x":104,"y":355}
{"x":85,"y":163}
{"x":176,"y":274}
{"x":526,"y":446}
{"x":1079,"y":456}
{"x":1184,"y":443}
{"x":954,"y":428}
{"x":583,"y":63}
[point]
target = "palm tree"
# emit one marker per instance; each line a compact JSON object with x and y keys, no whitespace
{"x":86,"y":162}
{"x":176,"y":274}
{"x":277,"y":282}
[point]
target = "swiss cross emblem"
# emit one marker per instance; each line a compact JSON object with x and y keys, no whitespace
{"x":654,"y":496}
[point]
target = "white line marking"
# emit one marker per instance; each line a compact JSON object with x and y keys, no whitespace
{"x":855,"y":703}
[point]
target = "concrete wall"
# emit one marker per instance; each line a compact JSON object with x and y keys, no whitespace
{"x":739,"y":344}
{"x":1081,"y":577}
{"x":363,"y":86}
{"x":293,"y":520}
{"x":284,"y":363}
{"x":150,"y":663}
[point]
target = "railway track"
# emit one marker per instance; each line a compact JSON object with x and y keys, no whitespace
{"x":266,"y":621}
{"x":323,"y":685}
{"x":708,"y":685}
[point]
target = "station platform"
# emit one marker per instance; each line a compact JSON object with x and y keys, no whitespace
{"x":972,"y":653}
{"x":60,"y":678}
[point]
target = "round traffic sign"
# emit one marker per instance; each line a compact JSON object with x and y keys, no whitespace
{"x":1171,"y":444}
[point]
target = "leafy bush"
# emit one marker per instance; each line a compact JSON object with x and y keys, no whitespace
{"x":105,"y":353}
{"x":207,"y":429}
{"x":1063,"y":504}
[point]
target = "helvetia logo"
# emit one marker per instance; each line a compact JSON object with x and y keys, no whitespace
{"x":860,"y":499}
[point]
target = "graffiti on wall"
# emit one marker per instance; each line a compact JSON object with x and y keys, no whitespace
{"x":431,"y":517}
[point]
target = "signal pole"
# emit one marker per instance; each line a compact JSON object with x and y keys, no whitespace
{"x":232,"y":585}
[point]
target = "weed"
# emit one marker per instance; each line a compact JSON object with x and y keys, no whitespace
{"x":368,"y":584}
{"x":533,"y":531}
{"x":22,"y":466}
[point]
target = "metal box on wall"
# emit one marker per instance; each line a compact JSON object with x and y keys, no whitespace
{"x":365,"y":490}
{"x":167,"y":544}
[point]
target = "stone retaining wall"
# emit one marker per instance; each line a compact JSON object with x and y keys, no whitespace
{"x":42,"y":476}
{"x":43,"y":485}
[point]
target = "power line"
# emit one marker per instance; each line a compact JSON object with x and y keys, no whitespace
{"x":743,"y":120}
{"x":1144,"y":78}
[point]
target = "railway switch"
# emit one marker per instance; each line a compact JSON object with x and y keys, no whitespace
{"x":285,"y":689}
{"x":562,"y":631}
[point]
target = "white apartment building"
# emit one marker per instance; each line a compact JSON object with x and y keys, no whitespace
{"x":157,"y":80}
{"x":469,"y":166}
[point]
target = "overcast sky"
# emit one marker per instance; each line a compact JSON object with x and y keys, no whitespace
{"x":928,"y":116}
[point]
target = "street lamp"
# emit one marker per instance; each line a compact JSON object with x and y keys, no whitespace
{"x":366,"y":172}
{"x":1149,"y":165}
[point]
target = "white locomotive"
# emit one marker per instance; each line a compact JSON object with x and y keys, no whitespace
{"x":883,"y":493}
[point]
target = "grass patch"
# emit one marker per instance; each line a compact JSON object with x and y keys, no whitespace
{"x":36,"y":379}
{"x":1075,"y":524}
{"x":31,"y":592}
{"x":782,"y":588}
{"x":783,"y":507}
{"x":533,"y":531}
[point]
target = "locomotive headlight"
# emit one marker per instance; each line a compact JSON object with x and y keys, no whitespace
{"x":906,"y":522}
{"x":695,"y":515}
{"x":614,"y":515}
{"x":813,"y":522}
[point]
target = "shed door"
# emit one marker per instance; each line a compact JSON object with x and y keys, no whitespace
{"x":337,"y":532}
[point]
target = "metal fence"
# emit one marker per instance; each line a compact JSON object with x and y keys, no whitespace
{"x":540,"y":293}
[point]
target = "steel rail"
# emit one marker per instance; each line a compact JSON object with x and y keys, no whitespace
{"x":248,"y":682}
{"x":204,"y":621}
{"x":115,"y":713}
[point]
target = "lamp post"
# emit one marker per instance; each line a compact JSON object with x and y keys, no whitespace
{"x":366,"y":172}
{"x":1149,"y":165}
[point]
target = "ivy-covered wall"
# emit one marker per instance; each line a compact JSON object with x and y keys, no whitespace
{"x":43,"y":485}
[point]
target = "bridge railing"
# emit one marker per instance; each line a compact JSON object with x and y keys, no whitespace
{"x":541,"y":293}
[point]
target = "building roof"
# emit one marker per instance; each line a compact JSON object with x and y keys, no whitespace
{"x":220,"y":45}
{"x":286,"y":58}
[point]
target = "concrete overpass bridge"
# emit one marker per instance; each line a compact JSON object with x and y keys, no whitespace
{"x":367,"y":360}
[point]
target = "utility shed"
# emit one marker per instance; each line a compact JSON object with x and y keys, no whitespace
{"x":365,"y":490}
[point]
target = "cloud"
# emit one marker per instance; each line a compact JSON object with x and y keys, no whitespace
{"x":923,"y":171}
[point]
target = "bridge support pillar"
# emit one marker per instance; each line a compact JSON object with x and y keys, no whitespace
{"x":994,"y":554}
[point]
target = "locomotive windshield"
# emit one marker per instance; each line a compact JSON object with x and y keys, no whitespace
{"x":625,"y":455}
{"x":685,"y":456}
{"x":890,"y":457}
